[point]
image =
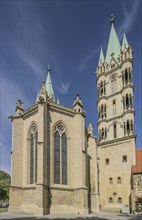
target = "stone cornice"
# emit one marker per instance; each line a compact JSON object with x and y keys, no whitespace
{"x":61,"y":109}
{"x":116,"y":117}
{"x":31,"y":111}
{"x":117,"y":140}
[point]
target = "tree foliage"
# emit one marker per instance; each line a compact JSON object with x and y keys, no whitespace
{"x":4,"y":185}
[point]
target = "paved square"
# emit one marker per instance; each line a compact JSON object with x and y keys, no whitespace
{"x":100,"y":216}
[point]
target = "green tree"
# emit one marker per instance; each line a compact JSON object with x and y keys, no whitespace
{"x":4,"y":185}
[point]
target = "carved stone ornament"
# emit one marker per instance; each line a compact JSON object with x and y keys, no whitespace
{"x":34,"y":127}
{"x":60,"y":127}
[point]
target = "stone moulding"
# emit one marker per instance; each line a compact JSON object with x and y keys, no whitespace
{"x":116,"y":140}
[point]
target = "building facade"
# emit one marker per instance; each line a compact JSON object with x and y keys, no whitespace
{"x":136,"y":194}
{"x":58,"y":165}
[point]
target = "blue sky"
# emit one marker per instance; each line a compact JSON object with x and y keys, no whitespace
{"x":67,"y":35}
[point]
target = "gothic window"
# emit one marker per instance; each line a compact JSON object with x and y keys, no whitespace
{"x":60,"y":155}
{"x":101,"y":88}
{"x":125,"y":55}
{"x":126,"y":76}
{"x":33,"y":154}
{"x":113,"y":84}
{"x":127,"y":101}
{"x":119,"y":200}
{"x":102,"y":115}
{"x":64,"y":159}
{"x":36,"y":139}
{"x":105,"y":87}
{"x":114,"y":106}
{"x":105,"y":110}
{"x":124,"y":158}
{"x":31,"y":159}
{"x":110,"y":200}
{"x":128,"y":127}
{"x":57,"y":157}
{"x":118,"y":180}
{"x":132,"y":126}
{"x":114,"y":130}
{"x":107,"y":161}
{"x":110,"y":180}
{"x":103,"y":134}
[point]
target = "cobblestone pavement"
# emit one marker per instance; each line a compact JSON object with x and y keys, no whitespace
{"x":100,"y":216}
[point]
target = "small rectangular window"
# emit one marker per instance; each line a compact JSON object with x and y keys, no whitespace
{"x":118,"y":180}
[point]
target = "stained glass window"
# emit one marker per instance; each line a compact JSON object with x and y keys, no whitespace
{"x":31,"y":159}
{"x":57,"y":158}
{"x":33,"y":151}
{"x":64,"y":159}
{"x":36,"y":139}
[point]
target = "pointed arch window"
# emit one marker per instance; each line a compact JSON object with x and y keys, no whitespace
{"x":60,"y":155}
{"x":113,"y":84}
{"x":33,"y":154}
{"x":114,"y":130}
{"x":114,"y":106}
{"x":57,"y":157}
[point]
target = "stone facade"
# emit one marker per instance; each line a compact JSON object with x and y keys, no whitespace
{"x":58,"y":165}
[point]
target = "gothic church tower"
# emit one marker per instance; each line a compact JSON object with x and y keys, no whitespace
{"x":116,"y":146}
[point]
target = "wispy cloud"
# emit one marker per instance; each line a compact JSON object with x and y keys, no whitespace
{"x":63,"y":88}
{"x":130,"y":17}
{"x":32,"y":63}
{"x":87,"y":58}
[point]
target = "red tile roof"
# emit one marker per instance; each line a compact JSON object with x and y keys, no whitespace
{"x":138,"y":167}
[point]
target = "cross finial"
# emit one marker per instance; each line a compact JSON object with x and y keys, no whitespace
{"x":112,"y":18}
{"x":48,"y":67}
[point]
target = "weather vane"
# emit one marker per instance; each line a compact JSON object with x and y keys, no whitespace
{"x":112,"y":18}
{"x":48,"y":67}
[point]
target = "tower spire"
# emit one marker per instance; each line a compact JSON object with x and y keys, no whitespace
{"x":48,"y":84}
{"x":101,"y":59}
{"x":114,"y":47}
{"x":124,"y":42}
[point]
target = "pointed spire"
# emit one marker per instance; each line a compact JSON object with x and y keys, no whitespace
{"x":48,"y":85}
{"x":90,"y":129}
{"x":101,"y":59}
{"x":58,"y":101}
{"x":37,"y":98}
{"x":114,"y":47}
{"x":124,"y":42}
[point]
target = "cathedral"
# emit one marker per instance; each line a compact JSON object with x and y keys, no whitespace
{"x":58,"y":165}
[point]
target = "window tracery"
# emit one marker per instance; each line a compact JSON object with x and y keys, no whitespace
{"x":60,"y":154}
{"x":33,"y":153}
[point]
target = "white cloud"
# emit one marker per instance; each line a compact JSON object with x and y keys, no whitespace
{"x":86,"y":59}
{"x":130,"y":17}
{"x":63,"y":88}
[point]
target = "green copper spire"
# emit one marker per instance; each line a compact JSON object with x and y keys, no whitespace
{"x":124,"y":42}
{"x":48,"y":85}
{"x":114,"y":47}
{"x":101,"y":59}
{"x":37,"y":98}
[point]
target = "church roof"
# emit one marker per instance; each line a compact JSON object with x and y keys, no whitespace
{"x":113,"y":43}
{"x":48,"y":85}
{"x":124,"y":42}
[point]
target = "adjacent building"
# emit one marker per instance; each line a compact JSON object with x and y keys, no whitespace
{"x":136,"y":194}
